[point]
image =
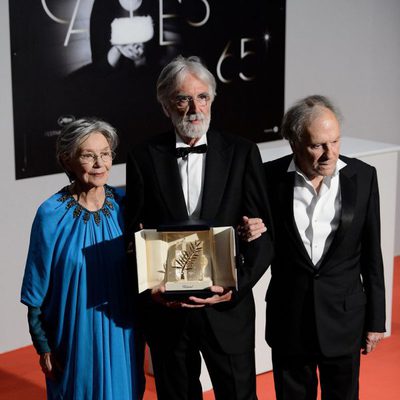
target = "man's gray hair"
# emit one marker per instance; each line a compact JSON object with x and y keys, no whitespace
{"x":76,"y":132}
{"x":173,"y":74}
{"x":299,"y":117}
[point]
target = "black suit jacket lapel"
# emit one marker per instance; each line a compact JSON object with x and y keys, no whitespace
{"x":348,"y":191}
{"x":167,"y":173}
{"x":218,"y":164}
{"x":286,"y":188}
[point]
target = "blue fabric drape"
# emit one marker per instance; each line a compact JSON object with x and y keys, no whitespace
{"x":76,"y":273}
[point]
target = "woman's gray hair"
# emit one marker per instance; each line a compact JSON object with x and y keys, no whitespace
{"x":173,"y":74}
{"x":300,"y":116}
{"x":76,"y":132}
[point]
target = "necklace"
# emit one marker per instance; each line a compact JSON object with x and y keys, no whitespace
{"x":66,"y":197}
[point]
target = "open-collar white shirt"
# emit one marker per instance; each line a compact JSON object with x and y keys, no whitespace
{"x":191,"y":170}
{"x":317,"y":215}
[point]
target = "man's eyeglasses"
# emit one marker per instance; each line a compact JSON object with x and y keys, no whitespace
{"x":183,"y":101}
{"x":91,"y":158}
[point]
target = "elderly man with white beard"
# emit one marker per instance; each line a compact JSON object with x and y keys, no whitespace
{"x":189,"y":174}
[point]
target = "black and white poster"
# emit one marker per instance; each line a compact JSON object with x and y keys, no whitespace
{"x":75,"y":58}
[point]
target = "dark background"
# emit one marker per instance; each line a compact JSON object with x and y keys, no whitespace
{"x":54,"y":83}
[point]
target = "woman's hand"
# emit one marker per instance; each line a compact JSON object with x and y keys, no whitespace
{"x":46,"y":364}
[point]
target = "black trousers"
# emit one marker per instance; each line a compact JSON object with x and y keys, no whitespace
{"x":177,"y":369}
{"x":296,"y":377}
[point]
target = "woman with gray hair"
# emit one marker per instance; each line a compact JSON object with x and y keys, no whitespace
{"x":74,"y":282}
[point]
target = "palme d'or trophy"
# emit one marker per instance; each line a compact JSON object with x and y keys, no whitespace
{"x":188,"y":266}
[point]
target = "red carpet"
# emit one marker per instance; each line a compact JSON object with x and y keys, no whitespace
{"x":21,"y":378}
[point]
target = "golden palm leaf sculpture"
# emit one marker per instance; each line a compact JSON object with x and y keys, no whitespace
{"x":188,"y":257}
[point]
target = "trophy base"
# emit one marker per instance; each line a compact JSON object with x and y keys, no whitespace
{"x":183,"y":290}
{"x":182,"y":295}
{"x":188,"y":285}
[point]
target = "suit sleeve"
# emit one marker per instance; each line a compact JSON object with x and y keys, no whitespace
{"x":257,"y":255}
{"x":134,"y":197}
{"x":372,"y":263}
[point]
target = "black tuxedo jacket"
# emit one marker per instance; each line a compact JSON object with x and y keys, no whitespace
{"x":234,"y":186}
{"x":336,"y":303}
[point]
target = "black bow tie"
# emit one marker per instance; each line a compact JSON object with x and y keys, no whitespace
{"x":184,"y":151}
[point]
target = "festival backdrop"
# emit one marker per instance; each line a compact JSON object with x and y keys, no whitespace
{"x":75,"y":58}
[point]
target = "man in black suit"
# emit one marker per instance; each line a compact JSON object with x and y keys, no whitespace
{"x":188,"y":174}
{"x":326,"y":298}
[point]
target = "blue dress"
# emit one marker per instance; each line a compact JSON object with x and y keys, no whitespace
{"x":76,"y":273}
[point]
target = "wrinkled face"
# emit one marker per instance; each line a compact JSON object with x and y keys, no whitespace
{"x":190,"y":108}
{"x":93,"y":161}
{"x":317,"y":153}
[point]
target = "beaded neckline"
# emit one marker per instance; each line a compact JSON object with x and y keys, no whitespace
{"x":80,"y":210}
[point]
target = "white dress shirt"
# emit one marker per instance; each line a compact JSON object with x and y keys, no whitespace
{"x":191,"y":170}
{"x":317,"y":215}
